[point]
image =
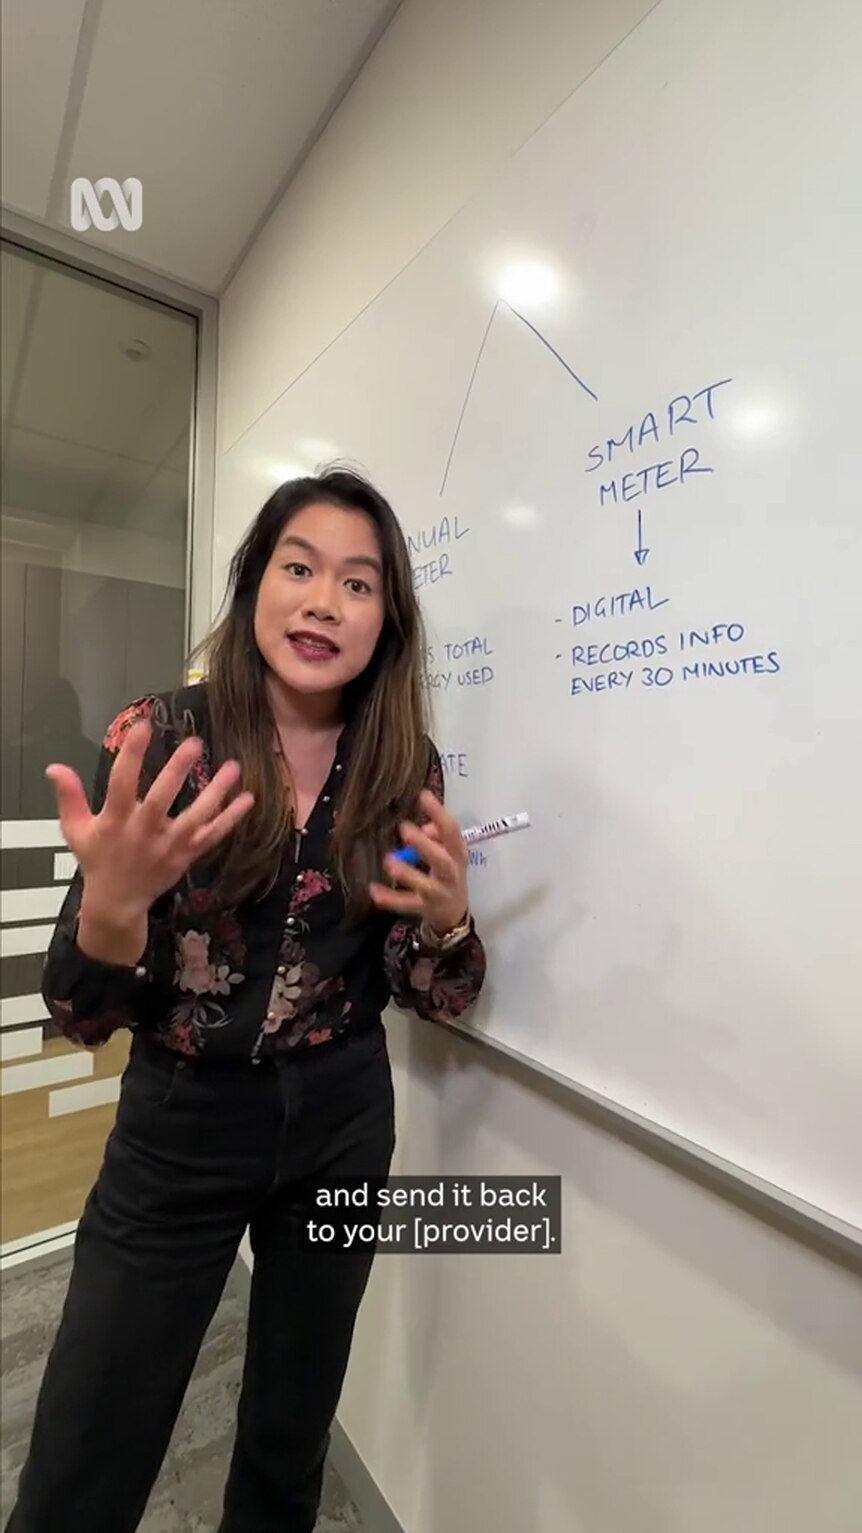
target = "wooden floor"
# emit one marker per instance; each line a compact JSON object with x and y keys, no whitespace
{"x":47,"y":1165}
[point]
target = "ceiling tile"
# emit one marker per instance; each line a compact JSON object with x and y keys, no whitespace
{"x":39,"y":45}
{"x":78,"y":384}
{"x":16,"y":283}
{"x":60,"y":480}
{"x":210,"y":103}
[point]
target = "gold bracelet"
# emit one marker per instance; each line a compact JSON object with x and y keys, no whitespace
{"x":429,"y":939}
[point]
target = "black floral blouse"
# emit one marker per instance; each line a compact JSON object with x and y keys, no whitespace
{"x":285,"y":971}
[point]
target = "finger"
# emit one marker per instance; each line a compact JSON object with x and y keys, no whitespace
{"x":396,"y":900}
{"x":73,"y":809}
{"x":122,"y":791}
{"x":210,"y":800}
{"x":446,"y":825}
{"x":210,"y":835}
{"x":413,"y":878}
{"x":428,"y":829}
{"x":170,"y":779}
{"x":430,"y":850}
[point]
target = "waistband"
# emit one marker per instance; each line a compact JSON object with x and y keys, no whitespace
{"x":149,"y":1049}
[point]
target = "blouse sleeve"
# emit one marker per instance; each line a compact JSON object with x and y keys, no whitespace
{"x":439,"y":987}
{"x":90,"y":1000}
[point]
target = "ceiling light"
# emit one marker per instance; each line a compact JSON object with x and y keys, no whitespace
{"x":136,"y":351}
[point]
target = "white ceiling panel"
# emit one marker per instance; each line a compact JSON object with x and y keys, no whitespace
{"x":158,"y":506}
{"x":89,"y":433}
{"x":40,"y":41}
{"x":211,"y":104}
{"x":135,"y":408}
{"x":16,"y":284}
{"x":178,"y":460}
{"x":141,"y":497}
{"x":48,"y":476}
{"x":62,"y":481}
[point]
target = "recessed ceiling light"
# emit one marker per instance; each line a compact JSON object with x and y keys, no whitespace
{"x":136,"y":351}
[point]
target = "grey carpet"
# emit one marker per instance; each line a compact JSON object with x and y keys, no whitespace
{"x":187,"y":1498}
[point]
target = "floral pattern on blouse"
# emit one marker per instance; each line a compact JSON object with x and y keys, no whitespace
{"x":282,"y":972}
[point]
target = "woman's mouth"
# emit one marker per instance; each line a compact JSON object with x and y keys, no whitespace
{"x":313,"y":646}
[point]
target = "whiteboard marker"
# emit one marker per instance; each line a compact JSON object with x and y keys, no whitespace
{"x":487,"y":832}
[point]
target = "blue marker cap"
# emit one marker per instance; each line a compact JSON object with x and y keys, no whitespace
{"x":407,"y":854}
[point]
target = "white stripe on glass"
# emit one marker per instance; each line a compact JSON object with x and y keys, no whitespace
{"x":79,"y":1098}
{"x":25,"y":835}
{"x":31,"y":904}
{"x":45,"y":1072}
{"x":25,"y":939}
{"x":15,"y":1009}
{"x":27,"y":1041}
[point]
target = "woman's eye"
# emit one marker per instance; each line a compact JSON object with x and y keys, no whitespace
{"x":295,"y":568}
{"x":359,"y":587}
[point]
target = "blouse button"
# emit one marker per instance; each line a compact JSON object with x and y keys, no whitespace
{"x":338,"y":766}
{"x":281,"y":969}
{"x":270,"y":1016}
{"x":291,"y":921}
{"x":326,"y":798}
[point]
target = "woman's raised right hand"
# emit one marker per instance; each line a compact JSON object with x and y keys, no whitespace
{"x":133,"y":850}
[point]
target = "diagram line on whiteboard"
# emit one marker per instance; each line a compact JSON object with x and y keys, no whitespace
{"x":554,"y":353}
{"x":540,"y":337}
{"x":467,"y":396}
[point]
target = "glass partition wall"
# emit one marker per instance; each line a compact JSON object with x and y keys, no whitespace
{"x":98,"y":406}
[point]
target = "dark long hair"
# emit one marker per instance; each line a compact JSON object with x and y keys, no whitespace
{"x":386,"y":706}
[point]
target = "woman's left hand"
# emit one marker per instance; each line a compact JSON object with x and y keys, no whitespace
{"x":438,"y":895}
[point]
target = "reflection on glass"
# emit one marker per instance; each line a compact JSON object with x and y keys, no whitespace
{"x":97,"y":401}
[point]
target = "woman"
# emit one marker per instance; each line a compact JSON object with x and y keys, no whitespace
{"x":247,"y":937}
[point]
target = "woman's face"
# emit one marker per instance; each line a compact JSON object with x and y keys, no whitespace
{"x":320,"y":606}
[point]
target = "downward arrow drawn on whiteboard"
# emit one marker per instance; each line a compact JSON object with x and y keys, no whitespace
{"x":641,"y":553}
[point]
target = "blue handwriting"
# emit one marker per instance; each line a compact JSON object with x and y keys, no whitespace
{"x":683,"y":410}
{"x":620,"y":605}
{"x":733,"y":632}
{"x":632,"y":649}
{"x":677,"y":413}
{"x":750,"y":665}
{"x":446,"y":531}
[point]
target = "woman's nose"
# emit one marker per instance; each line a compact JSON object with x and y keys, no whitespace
{"x":321,"y":601}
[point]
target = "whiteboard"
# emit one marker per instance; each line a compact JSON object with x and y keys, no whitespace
{"x":616,"y":405}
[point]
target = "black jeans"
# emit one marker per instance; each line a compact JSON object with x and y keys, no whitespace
{"x":199,"y":1153}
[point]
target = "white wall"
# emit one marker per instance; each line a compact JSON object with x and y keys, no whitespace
{"x":681,"y":1368}
{"x":453,"y":87}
